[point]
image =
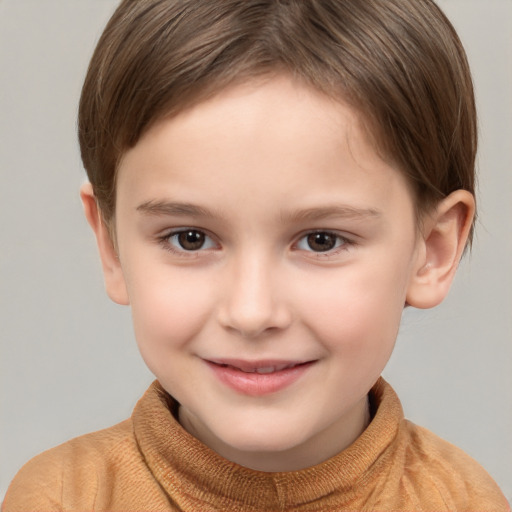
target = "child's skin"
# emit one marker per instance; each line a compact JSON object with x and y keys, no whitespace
{"x":253,"y":174}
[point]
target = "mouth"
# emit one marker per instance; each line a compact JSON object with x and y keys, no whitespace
{"x":256,"y":378}
{"x":261,"y":367}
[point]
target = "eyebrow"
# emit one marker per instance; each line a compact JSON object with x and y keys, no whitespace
{"x":324,"y":212}
{"x":175,"y":209}
{"x":179,"y":209}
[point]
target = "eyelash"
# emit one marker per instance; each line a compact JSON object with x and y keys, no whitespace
{"x":166,"y":242}
{"x":342,"y":243}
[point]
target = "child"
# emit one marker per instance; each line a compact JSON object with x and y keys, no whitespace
{"x":271,"y":183}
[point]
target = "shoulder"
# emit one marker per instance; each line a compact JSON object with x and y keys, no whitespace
{"x":438,"y":467}
{"x":71,"y":469}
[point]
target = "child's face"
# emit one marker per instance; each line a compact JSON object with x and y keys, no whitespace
{"x":260,"y":229}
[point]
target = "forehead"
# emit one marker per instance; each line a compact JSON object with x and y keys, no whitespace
{"x":277,"y":137}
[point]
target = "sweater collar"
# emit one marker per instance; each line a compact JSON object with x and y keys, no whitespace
{"x":195,"y":476}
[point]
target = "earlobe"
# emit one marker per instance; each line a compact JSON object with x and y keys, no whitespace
{"x":112,"y":271}
{"x":442,"y":243}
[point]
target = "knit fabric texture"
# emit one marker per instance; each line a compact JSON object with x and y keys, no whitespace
{"x":150,"y":463}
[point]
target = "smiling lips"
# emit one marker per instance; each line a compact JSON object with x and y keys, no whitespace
{"x":258,"y":378}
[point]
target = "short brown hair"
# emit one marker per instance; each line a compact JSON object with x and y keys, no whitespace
{"x":398,"y":62}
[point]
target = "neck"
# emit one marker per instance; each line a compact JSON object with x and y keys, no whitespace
{"x":316,"y":449}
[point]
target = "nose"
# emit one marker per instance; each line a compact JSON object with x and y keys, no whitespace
{"x":253,"y":303}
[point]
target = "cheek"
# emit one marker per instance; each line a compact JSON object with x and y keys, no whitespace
{"x":356,"y":308}
{"x":168,"y":308}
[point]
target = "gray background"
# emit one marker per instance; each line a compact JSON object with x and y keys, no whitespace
{"x":68,"y":360}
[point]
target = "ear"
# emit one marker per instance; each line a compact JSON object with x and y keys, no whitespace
{"x":443,"y":239}
{"x":112,"y":271}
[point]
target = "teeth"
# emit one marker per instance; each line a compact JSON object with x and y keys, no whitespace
{"x":263,"y":370}
{"x":269,"y":369}
{"x":272,"y":369}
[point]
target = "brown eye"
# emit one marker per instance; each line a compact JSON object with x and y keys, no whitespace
{"x":322,"y":241}
{"x":191,"y":240}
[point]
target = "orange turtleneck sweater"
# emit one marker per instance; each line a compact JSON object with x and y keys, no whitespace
{"x":149,"y":463}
